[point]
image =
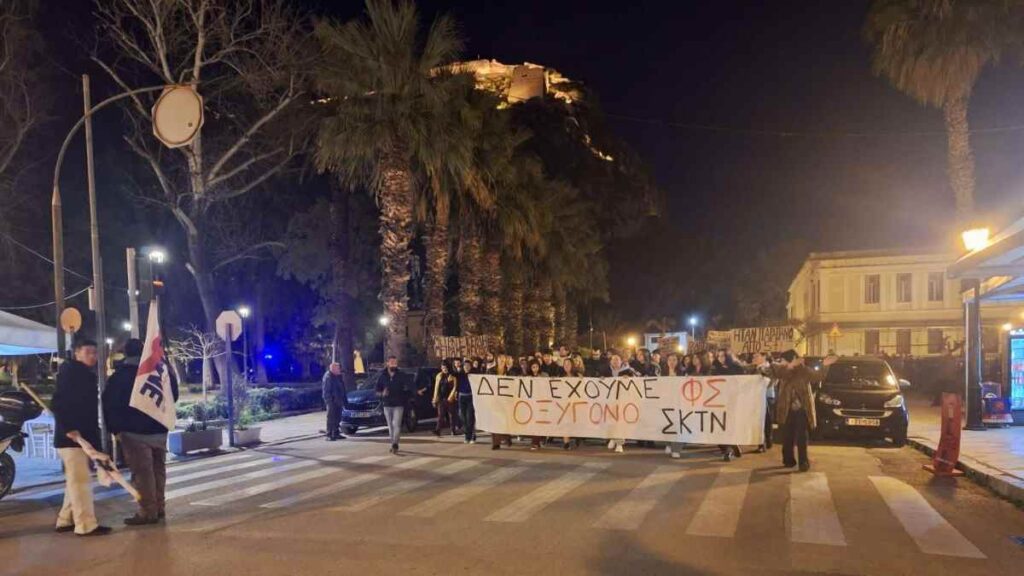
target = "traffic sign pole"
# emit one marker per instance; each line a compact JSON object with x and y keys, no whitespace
{"x":231,"y":395}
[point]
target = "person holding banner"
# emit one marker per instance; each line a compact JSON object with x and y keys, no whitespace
{"x":617,"y":368}
{"x":795,"y":405}
{"x":673,"y":368}
{"x":571,"y":369}
{"x":143,"y":439}
{"x":463,"y":394}
{"x":76,"y":415}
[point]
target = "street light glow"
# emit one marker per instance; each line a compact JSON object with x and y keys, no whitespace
{"x":157,"y":255}
{"x":126,"y":326}
{"x":244,"y":311}
{"x":975,"y":239}
{"x":631,"y":341}
{"x":384,"y":320}
{"x":693,"y":320}
{"x":110,"y":341}
{"x":1007,"y":327}
{"x":679,"y":347}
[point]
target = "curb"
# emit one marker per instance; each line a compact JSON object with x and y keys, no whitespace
{"x":1005,"y":485}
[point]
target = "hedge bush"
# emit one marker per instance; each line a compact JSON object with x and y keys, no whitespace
{"x":262,"y":403}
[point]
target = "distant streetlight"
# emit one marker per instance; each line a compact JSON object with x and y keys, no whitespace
{"x":244,"y":311}
{"x":679,"y":347}
{"x":975,"y":239}
{"x":110,"y":341}
{"x":693,"y":327}
{"x":1007,"y":327}
{"x":126,"y":326}
{"x":157,"y":255}
{"x":384,"y":320}
{"x":631,"y":341}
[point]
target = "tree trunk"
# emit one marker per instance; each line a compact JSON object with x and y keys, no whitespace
{"x":207,"y":297}
{"x":491,"y":280}
{"x":546,"y":314}
{"x":514,"y":312}
{"x":961,"y":158}
{"x":396,"y":200}
{"x":572,"y":323}
{"x":437,"y":249}
{"x":558,"y":303}
{"x":470,"y":263}
{"x":340,"y":273}
{"x":259,"y":339}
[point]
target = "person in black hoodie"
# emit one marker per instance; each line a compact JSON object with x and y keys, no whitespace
{"x":143,"y":439}
{"x":76,"y":415}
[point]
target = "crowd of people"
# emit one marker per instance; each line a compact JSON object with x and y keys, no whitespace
{"x":452,"y":395}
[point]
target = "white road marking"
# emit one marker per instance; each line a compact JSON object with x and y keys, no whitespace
{"x":273,"y":485}
{"x":463,"y":492}
{"x":405,"y":486}
{"x":221,"y":483}
{"x":206,"y":461}
{"x":629,"y":513}
{"x":932,"y":533}
{"x":171,"y":480}
{"x":348,"y":483}
{"x":525,"y":507}
{"x":719,"y":513}
{"x":812,"y":514}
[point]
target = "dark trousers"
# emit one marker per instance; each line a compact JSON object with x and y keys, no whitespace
{"x":446,"y":413}
{"x":468,"y":415}
{"x":333,"y":419}
{"x":769,"y":419}
{"x":149,"y":474}
{"x":794,"y":431}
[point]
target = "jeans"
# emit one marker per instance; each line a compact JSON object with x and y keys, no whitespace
{"x":149,"y":474}
{"x":468,"y":415}
{"x":794,"y":431}
{"x":393,"y":415}
{"x":78,"y":507}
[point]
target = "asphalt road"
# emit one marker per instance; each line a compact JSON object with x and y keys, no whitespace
{"x":443,"y":507}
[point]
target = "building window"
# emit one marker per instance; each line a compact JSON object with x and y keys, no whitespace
{"x":904,"y":288}
{"x":936,"y":287}
{"x":871,"y":341}
{"x":872,"y":288}
{"x":936,"y":345}
{"x":903,"y":342}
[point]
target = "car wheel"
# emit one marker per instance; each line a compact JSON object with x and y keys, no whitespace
{"x":900,"y":439}
{"x":351,"y":430}
{"x":6,"y":473}
{"x":411,"y":420}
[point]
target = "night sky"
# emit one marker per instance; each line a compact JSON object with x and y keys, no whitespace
{"x":863,"y":166}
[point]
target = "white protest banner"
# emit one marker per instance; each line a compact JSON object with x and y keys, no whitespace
{"x":152,"y":394}
{"x":696,"y":410}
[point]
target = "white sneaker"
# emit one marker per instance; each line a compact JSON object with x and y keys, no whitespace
{"x":611,"y":444}
{"x":618,"y":449}
{"x":668,"y":450}
{"x":675,"y":455}
{"x":472,"y":441}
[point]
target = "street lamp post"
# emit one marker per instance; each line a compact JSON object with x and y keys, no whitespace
{"x":693,"y":327}
{"x":384,"y":321}
{"x":244,"y":312}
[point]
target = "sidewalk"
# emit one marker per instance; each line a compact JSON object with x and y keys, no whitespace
{"x":33,"y":472}
{"x":993,"y":457}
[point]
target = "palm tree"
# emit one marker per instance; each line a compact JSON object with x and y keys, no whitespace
{"x":390,"y":127}
{"x":934,"y":51}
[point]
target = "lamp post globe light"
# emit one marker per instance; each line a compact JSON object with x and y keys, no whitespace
{"x":157,"y":255}
{"x":384,"y":320}
{"x":126,"y":326}
{"x":244,"y":311}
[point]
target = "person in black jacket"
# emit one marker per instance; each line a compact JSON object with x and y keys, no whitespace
{"x":143,"y":439}
{"x":394,"y":387}
{"x":725,"y":364}
{"x":335,"y":398}
{"x":76,"y":415}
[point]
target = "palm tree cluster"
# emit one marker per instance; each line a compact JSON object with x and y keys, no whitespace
{"x":450,"y":163}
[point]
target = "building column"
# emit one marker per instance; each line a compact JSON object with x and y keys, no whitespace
{"x":973,"y":355}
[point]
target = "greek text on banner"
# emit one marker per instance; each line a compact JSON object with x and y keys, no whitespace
{"x":692,"y":409}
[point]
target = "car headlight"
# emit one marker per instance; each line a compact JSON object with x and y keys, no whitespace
{"x":895,"y":402}
{"x":826,"y":399}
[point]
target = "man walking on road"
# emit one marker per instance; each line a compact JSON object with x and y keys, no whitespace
{"x":143,"y":439}
{"x":76,"y":415}
{"x":393,"y":388}
{"x":335,"y":398}
{"x":794,"y":405}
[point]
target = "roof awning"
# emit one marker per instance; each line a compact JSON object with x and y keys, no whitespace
{"x":21,"y":336}
{"x":999,"y":265}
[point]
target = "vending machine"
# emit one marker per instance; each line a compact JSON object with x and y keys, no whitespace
{"x":1015,"y":354}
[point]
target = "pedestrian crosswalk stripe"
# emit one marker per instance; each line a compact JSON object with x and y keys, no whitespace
{"x":812,"y":515}
{"x":175,"y":479}
{"x":251,"y":491}
{"x":525,"y":507}
{"x":195,"y":489}
{"x":405,"y":486}
{"x":719,"y":513}
{"x":348,"y":483}
{"x":207,"y":461}
{"x":445,"y":500}
{"x":629,"y":513}
{"x":932,"y":533}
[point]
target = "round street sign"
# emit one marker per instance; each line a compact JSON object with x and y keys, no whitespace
{"x":177,"y":115}
{"x":70,"y":320}
{"x":232,"y":319}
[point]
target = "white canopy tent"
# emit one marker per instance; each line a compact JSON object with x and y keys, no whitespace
{"x":21,"y":336}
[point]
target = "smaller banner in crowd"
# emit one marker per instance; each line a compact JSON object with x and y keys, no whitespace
{"x":696,"y":410}
{"x":461,"y":346}
{"x":768,"y":339}
{"x":152,"y":394}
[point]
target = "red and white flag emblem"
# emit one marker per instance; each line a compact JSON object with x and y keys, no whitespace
{"x":152,"y":394}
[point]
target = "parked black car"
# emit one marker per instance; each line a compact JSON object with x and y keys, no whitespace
{"x":861,"y":396}
{"x":363,"y":409}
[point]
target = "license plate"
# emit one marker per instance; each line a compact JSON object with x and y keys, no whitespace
{"x":355,"y":414}
{"x":863,"y":422}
